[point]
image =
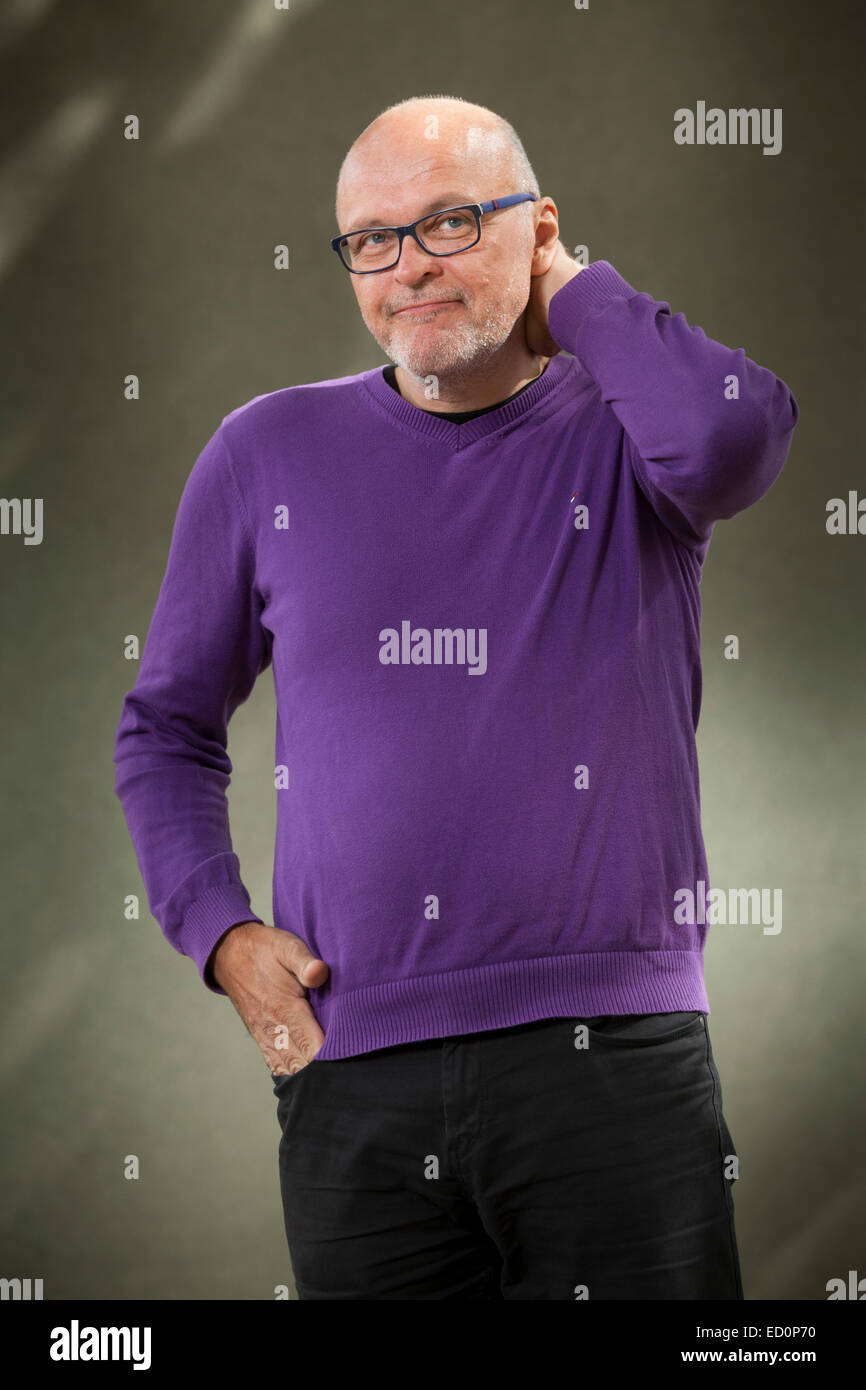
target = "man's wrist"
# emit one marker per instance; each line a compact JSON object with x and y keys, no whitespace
{"x":565,"y":275}
{"x":209,"y":974}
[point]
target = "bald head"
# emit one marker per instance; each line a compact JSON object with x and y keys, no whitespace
{"x":454,"y":315}
{"x":412,"y":140}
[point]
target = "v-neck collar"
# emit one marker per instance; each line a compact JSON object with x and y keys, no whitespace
{"x":458,"y":436}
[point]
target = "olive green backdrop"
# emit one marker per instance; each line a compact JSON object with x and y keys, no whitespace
{"x":155,"y":257}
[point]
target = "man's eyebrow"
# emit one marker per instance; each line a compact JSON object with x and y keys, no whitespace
{"x":443,"y":200}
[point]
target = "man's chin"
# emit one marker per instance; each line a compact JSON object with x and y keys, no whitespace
{"x":445,"y":362}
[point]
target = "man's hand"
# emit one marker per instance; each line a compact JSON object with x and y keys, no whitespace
{"x":266,"y":972}
{"x":544,"y":286}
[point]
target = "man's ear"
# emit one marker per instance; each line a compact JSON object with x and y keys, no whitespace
{"x":546,"y":237}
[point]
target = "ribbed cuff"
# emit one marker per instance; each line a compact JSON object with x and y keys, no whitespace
{"x":592,"y":288}
{"x":208,"y":917}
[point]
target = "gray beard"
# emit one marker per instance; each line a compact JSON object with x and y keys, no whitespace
{"x":463,"y":356}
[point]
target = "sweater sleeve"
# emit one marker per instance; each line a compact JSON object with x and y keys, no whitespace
{"x":204,"y":649}
{"x":707,"y":430}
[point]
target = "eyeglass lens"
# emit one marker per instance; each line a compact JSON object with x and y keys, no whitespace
{"x":441,"y":233}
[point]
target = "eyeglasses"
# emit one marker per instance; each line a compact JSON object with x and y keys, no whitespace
{"x":443,"y":233}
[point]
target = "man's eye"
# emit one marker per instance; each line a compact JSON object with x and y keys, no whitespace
{"x":452,"y":223}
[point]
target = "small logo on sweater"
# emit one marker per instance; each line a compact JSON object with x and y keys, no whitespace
{"x":581,"y":513}
{"x":439,"y":646}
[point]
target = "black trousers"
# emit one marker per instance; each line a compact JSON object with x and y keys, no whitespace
{"x":562,"y":1159}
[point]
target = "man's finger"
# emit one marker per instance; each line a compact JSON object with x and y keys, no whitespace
{"x":296,"y":1039}
{"x":297,"y":957}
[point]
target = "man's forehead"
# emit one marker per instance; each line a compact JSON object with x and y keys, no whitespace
{"x":396,"y":180}
{"x":397,"y":206}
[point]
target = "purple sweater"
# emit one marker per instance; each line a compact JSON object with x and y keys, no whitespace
{"x":485,"y":640}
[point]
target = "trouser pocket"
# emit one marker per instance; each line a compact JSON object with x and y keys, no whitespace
{"x":642,"y":1030}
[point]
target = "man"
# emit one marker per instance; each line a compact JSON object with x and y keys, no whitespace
{"x":476,"y":576}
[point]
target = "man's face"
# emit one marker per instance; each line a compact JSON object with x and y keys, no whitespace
{"x":445,"y":316}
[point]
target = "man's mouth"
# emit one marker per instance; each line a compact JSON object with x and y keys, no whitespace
{"x":425,"y":306}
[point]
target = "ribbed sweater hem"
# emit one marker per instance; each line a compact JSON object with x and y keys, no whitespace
{"x":509,"y":993}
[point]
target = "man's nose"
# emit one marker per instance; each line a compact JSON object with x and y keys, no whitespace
{"x":414,"y":262}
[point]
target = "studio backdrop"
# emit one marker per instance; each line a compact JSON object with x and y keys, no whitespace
{"x":167,"y":182}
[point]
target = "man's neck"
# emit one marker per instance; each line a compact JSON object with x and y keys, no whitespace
{"x":470,"y":393}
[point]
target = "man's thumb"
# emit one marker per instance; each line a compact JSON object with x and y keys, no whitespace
{"x":309,"y":968}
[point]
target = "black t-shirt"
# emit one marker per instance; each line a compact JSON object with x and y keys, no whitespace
{"x":456,"y":417}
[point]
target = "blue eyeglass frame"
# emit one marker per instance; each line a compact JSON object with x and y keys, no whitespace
{"x":492,"y":205}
